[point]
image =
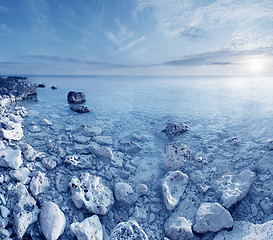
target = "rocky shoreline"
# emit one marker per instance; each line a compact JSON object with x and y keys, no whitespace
{"x":75,"y":185}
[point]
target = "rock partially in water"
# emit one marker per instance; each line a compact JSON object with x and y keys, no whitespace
{"x":173,"y":130}
{"x":176,"y":155}
{"x":247,"y":231}
{"x":270,"y":144}
{"x":178,"y":228}
{"x":129,"y":230}
{"x":233,"y":188}
{"x":39,"y":183}
{"x":10,"y":130}
{"x":79,"y":108}
{"x":75,"y":97}
{"x":125,"y":194}
{"x":52,"y":221}
{"x":11,"y":158}
{"x":101,"y":151}
{"x":49,"y":163}
{"x":173,"y":186}
{"x":25,"y":212}
{"x":41,"y":85}
{"x":89,"y":229}
{"x":212,"y":217}
{"x":90,"y":131}
{"x":89,"y":191}
{"x":28,"y":152}
{"x":53,"y":87}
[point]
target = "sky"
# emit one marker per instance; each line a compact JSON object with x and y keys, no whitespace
{"x":136,"y":37}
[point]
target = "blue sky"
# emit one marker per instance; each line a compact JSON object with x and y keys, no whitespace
{"x":210,"y":37}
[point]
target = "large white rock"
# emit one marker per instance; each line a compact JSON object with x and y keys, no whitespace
{"x":89,"y":229}
{"x":52,"y":221}
{"x":124,"y":193}
{"x":89,"y":191}
{"x":176,"y":155}
{"x":247,"y":231}
{"x":101,"y":151}
{"x":10,"y":130}
{"x":212,"y":217}
{"x":15,"y":118}
{"x":178,"y":228}
{"x":25,"y":211}
{"x":173,"y":186}
{"x":28,"y":152}
{"x":11,"y":158}
{"x":129,"y":230}
{"x":39,"y":183}
{"x":20,"y":175}
{"x":233,"y":188}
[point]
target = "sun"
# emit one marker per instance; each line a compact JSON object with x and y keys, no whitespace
{"x":256,"y":63}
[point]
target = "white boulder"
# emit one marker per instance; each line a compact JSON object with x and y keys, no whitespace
{"x":15,"y":118}
{"x":247,"y":231}
{"x":28,"y":152}
{"x":20,"y":175}
{"x":11,"y":158}
{"x":25,"y":211}
{"x":176,"y":155}
{"x":212,"y":217}
{"x":89,"y":191}
{"x":39,"y":183}
{"x":173,"y":186}
{"x":49,"y":163}
{"x":178,"y":228}
{"x":89,"y":229}
{"x":52,"y":221}
{"x":233,"y":188}
{"x":129,"y":230}
{"x":10,"y":130}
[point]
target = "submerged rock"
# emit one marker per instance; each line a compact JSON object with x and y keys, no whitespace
{"x":129,"y":230}
{"x":129,"y":147}
{"x":178,"y":228}
{"x":101,"y":151}
{"x":52,"y":221}
{"x":28,"y":152}
{"x":20,"y":175}
{"x":25,"y":211}
{"x":176,"y":154}
{"x":90,"y":131}
{"x":247,"y":231}
{"x":75,"y":97}
{"x":89,"y":191}
{"x":11,"y":158}
{"x":124,"y":193}
{"x":212,"y":217}
{"x":89,"y":229}
{"x":173,"y":186}
{"x":39,"y":183}
{"x":172,"y":130}
{"x":79,"y":108}
{"x":233,"y":188}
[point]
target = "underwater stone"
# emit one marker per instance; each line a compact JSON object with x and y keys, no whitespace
{"x":176,"y":154}
{"x":101,"y":151}
{"x":89,"y":229}
{"x":212,"y":217}
{"x":129,"y":230}
{"x":172,"y":130}
{"x":129,"y":147}
{"x":39,"y":183}
{"x":173,"y":186}
{"x":52,"y":221}
{"x":247,"y":231}
{"x":11,"y":158}
{"x":89,"y":191}
{"x":75,"y":97}
{"x":90,"y":131}
{"x":28,"y":152}
{"x":270,"y":144}
{"x":178,"y":228}
{"x":233,"y":188}
{"x":104,"y":140}
{"x":124,"y":193}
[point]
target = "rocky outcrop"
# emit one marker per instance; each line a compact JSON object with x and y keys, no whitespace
{"x":233,"y":188}
{"x":25,"y":212}
{"x":89,"y":191}
{"x":128,"y":231}
{"x":176,"y":155}
{"x":75,"y":97}
{"x":89,"y":229}
{"x":173,"y":130}
{"x":247,"y":231}
{"x":52,"y":221}
{"x":173,"y":186}
{"x":178,"y":228}
{"x":212,"y":217}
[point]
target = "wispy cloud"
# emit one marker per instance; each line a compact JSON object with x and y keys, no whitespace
{"x":123,"y":39}
{"x":3,"y":9}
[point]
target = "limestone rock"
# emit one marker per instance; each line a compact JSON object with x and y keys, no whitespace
{"x":173,"y":187}
{"x":89,"y":229}
{"x":101,"y":151}
{"x":25,"y":212}
{"x":247,"y":231}
{"x":233,"y":188}
{"x":129,"y":230}
{"x":89,"y":191}
{"x":49,"y":163}
{"x":52,"y":221}
{"x":39,"y":183}
{"x":15,"y":118}
{"x":11,"y":158}
{"x":176,"y":154}
{"x":20,"y":175}
{"x":28,"y":152}
{"x":172,"y":130}
{"x":212,"y":217}
{"x":75,"y":97}
{"x":270,"y":144}
{"x":129,"y":147}
{"x":178,"y":228}
{"x":124,"y":193}
{"x":10,"y":130}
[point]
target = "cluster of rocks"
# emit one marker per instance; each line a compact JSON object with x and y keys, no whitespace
{"x":75,"y":100}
